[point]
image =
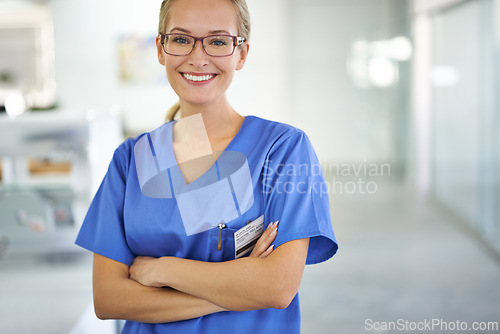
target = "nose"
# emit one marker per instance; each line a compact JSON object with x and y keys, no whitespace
{"x":198,"y":57}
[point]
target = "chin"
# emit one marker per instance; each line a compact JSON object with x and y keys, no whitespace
{"x":201,"y":99}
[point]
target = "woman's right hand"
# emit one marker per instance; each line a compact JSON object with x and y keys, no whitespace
{"x":264,"y":245}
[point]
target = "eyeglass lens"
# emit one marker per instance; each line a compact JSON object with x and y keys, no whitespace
{"x":181,"y":45}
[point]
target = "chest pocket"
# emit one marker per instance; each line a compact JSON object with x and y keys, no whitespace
{"x":222,"y":239}
{"x":222,"y":244}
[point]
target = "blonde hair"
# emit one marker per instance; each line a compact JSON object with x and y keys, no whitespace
{"x":243,"y":16}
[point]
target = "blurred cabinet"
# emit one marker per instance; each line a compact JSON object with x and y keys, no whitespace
{"x":52,"y":164}
{"x":27,"y":65}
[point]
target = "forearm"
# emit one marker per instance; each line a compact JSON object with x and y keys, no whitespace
{"x":119,"y":297}
{"x":243,"y":284}
{"x":238,"y":285}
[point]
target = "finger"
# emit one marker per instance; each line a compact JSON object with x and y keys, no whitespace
{"x":266,"y":239}
{"x":267,"y":252}
{"x":138,"y":259}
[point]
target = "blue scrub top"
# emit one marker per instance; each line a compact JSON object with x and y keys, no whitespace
{"x":288,"y":185}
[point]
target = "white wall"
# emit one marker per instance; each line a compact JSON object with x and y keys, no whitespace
{"x":83,"y":52}
{"x":420,"y":6}
{"x":87,"y":59}
{"x":262,"y":88}
{"x":345,"y":123}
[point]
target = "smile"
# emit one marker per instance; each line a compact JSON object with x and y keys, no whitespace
{"x":198,"y":78}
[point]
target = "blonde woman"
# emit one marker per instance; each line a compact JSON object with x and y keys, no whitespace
{"x":187,"y":241}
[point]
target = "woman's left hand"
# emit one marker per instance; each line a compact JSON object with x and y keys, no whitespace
{"x":264,"y":245}
{"x":144,"y":270}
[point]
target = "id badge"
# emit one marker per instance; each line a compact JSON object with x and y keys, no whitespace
{"x":246,"y":237}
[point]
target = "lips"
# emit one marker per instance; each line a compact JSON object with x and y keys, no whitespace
{"x":198,"y":78}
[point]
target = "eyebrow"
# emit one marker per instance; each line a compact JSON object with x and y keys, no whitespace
{"x":211,"y":32}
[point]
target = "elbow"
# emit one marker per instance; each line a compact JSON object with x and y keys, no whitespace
{"x":281,"y":293}
{"x":281,"y":300}
{"x":101,"y":315}
{"x":282,"y":303}
{"x":102,"y":311}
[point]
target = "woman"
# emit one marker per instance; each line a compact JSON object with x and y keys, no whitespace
{"x":154,"y":265}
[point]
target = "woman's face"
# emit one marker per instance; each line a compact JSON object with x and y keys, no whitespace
{"x":201,"y":18}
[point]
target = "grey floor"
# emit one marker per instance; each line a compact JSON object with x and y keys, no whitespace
{"x":40,"y":295}
{"x":399,"y":259}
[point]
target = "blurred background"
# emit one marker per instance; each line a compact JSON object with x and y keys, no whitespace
{"x":399,"y":97}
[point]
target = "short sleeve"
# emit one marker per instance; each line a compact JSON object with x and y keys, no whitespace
{"x":297,"y":195}
{"x":102,"y":231}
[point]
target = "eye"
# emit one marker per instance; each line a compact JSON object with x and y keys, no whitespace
{"x":218,"y":41}
{"x":181,"y":40}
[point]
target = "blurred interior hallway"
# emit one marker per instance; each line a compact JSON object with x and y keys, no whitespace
{"x":400,"y":257}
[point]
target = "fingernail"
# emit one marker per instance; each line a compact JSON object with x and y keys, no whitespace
{"x":274,"y":232}
{"x":270,"y":248}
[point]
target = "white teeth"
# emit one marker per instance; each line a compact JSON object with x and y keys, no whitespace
{"x":197,"y":77}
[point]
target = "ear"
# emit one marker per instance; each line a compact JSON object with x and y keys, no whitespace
{"x":159,"y":51}
{"x":243,"y":54}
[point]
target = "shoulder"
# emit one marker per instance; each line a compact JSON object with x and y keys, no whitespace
{"x":273,"y":126}
{"x":124,"y":153}
{"x":127,"y":147}
{"x":276,"y":132}
{"x":282,"y":142}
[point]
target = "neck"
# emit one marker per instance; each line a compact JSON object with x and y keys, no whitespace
{"x":219,"y":118}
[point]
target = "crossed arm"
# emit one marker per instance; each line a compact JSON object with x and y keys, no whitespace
{"x":170,"y":289}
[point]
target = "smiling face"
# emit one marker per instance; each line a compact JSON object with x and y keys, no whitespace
{"x":200,"y":79}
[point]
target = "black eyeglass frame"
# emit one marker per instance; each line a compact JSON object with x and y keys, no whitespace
{"x":237,"y":41}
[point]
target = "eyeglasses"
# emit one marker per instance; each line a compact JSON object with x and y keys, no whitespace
{"x":214,"y":45}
